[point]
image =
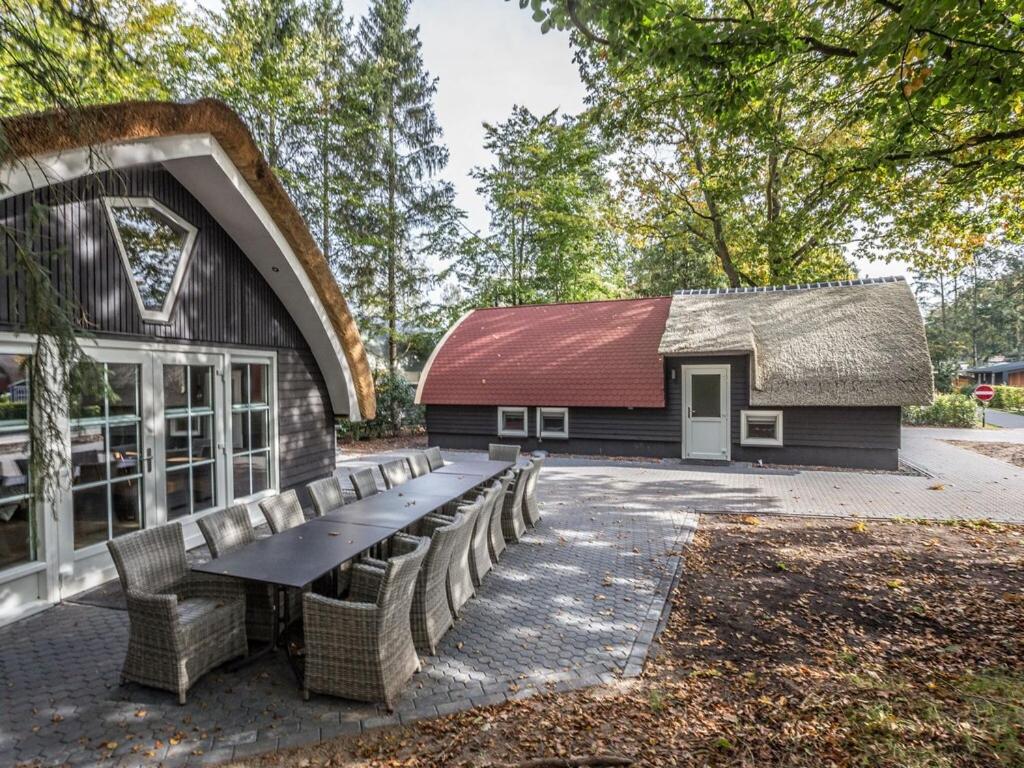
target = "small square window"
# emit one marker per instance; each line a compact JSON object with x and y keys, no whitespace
{"x":761,"y":428}
{"x":512,"y":422}
{"x":553,"y":423}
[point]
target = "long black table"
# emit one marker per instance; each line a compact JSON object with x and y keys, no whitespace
{"x":481,"y":467}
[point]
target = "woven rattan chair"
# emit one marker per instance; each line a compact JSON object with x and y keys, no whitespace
{"x":434,"y":458}
{"x":460,"y":578}
{"x":226,"y":531}
{"x":363,"y":483}
{"x":431,"y":614}
{"x":496,"y":539}
{"x":500,"y":452}
{"x":531,"y":509}
{"x":362,"y":648}
{"x":480,"y":562}
{"x":283,"y":511}
{"x":418,"y":464}
{"x":512,"y":524}
{"x":181,"y":624}
{"x":327,"y":495}
{"x":395,"y":472}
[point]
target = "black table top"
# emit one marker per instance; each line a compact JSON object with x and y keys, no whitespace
{"x":481,"y":467}
{"x":298,"y":556}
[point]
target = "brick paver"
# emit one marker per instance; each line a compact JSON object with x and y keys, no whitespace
{"x":575,"y":603}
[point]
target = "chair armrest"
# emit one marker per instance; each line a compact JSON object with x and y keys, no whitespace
{"x":330,"y":620}
{"x":436,"y":518}
{"x":431,"y":523}
{"x":365,"y":583}
{"x":373,"y":562}
{"x":403,"y":544}
{"x":213,"y":587}
{"x":152,"y":608}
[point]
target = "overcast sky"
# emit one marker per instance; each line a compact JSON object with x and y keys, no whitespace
{"x":489,"y":55}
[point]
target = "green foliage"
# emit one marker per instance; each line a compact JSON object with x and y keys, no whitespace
{"x":950,"y":410}
{"x":944,"y":374}
{"x":789,"y":134}
{"x":551,"y":229}
{"x":396,"y":410}
{"x":1008,"y":399}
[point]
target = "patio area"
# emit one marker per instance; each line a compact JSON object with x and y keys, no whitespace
{"x":575,"y":603}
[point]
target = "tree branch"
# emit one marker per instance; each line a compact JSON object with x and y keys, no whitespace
{"x":570,"y":8}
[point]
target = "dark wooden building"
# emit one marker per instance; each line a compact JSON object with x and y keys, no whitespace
{"x":811,"y":374}
{"x":225,"y":345}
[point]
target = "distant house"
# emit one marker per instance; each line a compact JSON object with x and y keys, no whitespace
{"x":809,"y":374}
{"x":1010,"y":373}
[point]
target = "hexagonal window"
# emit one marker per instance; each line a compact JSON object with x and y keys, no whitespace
{"x":155,"y":245}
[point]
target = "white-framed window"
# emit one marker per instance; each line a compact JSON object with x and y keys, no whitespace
{"x":761,"y":428}
{"x":17,"y":521}
{"x":553,"y":423}
{"x":155,"y":244}
{"x":512,"y":422}
{"x":252,"y":428}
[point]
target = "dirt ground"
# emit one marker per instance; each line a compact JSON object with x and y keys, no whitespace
{"x":1012,"y":453}
{"x":791,"y":642}
{"x":382,"y":444}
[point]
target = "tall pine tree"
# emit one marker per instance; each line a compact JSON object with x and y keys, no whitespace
{"x":400,"y":207}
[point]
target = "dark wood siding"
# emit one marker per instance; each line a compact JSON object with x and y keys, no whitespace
{"x":223,"y":301}
{"x":857,"y":437}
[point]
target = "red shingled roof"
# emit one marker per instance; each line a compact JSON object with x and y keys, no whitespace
{"x":596,"y":353}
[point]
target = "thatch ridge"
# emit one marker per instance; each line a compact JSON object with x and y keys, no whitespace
{"x":860,"y":343}
{"x":50,"y":132}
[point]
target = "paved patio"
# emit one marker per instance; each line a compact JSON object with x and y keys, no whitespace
{"x":576,"y":603}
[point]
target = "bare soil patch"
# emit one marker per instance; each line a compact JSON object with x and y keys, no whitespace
{"x":791,"y":642}
{"x":382,"y":444}
{"x":1012,"y":453}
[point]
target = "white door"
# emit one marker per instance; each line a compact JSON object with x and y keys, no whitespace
{"x":706,"y":412}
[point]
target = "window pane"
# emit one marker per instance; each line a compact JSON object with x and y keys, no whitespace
{"x":239,"y":384}
{"x":15,"y":531}
{"x":762,"y":427}
{"x":175,"y":386}
{"x":123,"y":382}
{"x":13,"y":390}
{"x":124,"y":450}
{"x":241,"y":476}
{"x":258,"y":383}
{"x":176,"y":441}
{"x":88,"y":455}
{"x":87,"y":402}
{"x":202,"y":487}
{"x":14,"y":458}
{"x":90,"y":516}
{"x":552,"y":422}
{"x":260,"y":471}
{"x":200,"y":382}
{"x":178,"y":493}
{"x":514,"y":421}
{"x":240,"y":431}
{"x":259,"y":436}
{"x":706,"y":395}
{"x":153,"y":245}
{"x":127,"y":514}
{"x":202,"y":438}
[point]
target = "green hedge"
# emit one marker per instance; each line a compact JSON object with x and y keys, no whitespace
{"x":396,"y":410}
{"x":945,"y":411}
{"x":1008,"y":399}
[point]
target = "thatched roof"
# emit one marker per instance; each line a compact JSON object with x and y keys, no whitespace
{"x":53,"y":132}
{"x":849,"y":343}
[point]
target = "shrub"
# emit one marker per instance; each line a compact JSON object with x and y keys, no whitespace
{"x":396,"y":410}
{"x":1009,"y":398}
{"x":945,"y":411}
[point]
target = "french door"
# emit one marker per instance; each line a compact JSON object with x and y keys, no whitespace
{"x":705,"y":412}
{"x":147,"y":447}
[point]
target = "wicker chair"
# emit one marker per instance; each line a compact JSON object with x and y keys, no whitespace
{"x":500,"y":452}
{"x":418,"y":465}
{"x":327,"y":495}
{"x":434,"y":458}
{"x":362,"y":648}
{"x":496,"y":539}
{"x":460,"y":577}
{"x":513,"y":526}
{"x":180,"y":624}
{"x":226,"y":531}
{"x":363,"y":483}
{"x":431,"y":615}
{"x":480,"y":562}
{"x":531,"y":509}
{"x":283,"y":511}
{"x":395,"y":472}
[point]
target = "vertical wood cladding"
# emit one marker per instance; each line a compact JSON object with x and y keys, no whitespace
{"x":223,"y":300}
{"x":856,"y":437}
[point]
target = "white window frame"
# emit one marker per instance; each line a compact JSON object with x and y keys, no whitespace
{"x":761,"y":441}
{"x":523,"y":410}
{"x":274,"y":479}
{"x":152,"y":315}
{"x":563,"y":412}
